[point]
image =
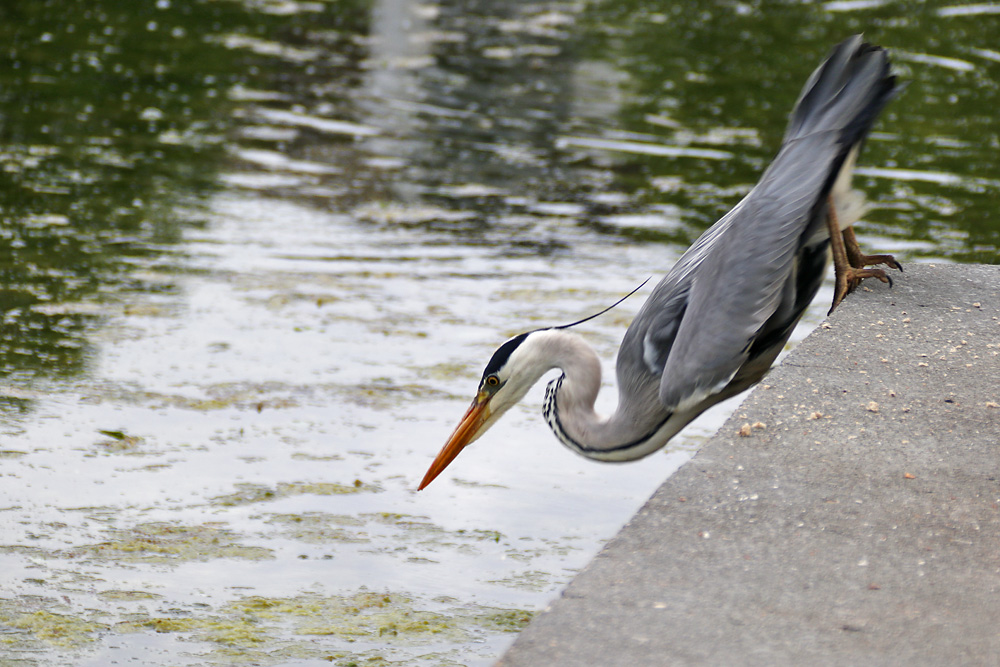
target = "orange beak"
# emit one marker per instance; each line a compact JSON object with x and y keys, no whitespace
{"x":465,"y":433}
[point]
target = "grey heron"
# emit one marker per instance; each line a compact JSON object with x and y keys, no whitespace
{"x":714,"y":324}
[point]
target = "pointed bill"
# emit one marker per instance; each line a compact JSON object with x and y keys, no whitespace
{"x":465,"y":432}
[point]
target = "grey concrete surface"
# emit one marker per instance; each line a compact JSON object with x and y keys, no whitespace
{"x":855,"y":522}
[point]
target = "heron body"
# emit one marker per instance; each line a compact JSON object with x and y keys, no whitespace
{"x":714,"y":324}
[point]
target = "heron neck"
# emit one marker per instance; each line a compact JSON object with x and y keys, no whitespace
{"x":569,"y":406}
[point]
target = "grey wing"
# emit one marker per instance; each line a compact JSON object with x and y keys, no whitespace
{"x":745,"y":273}
{"x":695,"y":329}
{"x":647,"y":343}
{"x":650,"y":337}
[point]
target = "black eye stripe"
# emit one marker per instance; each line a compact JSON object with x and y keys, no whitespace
{"x":502,"y":355}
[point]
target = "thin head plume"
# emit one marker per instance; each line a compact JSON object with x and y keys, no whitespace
{"x":616,"y":303}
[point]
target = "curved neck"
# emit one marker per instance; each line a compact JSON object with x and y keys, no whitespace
{"x":638,"y":426}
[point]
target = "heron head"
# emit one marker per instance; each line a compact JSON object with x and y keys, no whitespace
{"x":512,"y":370}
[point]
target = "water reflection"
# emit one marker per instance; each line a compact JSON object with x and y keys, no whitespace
{"x":254,"y":253}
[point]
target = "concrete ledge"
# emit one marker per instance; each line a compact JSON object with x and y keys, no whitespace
{"x":857,"y":524}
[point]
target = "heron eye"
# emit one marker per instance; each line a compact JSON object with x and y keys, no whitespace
{"x":492,"y":380}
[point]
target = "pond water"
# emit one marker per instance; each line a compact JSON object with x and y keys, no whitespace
{"x":255,"y":254}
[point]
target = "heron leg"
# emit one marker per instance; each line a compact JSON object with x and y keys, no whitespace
{"x":849,"y":262}
{"x":839,"y":252}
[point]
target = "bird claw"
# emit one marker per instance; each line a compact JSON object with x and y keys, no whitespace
{"x":850,"y":263}
{"x":855,"y":276}
{"x":850,"y":277}
{"x":874,"y":260}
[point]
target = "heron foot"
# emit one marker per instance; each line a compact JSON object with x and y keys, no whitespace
{"x":850,"y":277}
{"x":849,"y":263}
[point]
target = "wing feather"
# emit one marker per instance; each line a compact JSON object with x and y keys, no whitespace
{"x":735,"y":290}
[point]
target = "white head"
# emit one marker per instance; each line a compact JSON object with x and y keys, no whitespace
{"x":514,"y":368}
{"x":511,"y":372}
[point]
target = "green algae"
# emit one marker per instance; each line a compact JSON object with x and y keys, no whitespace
{"x":33,"y":625}
{"x":531,"y":581}
{"x":373,"y":527}
{"x":320,"y":527}
{"x":383,"y":617}
{"x":171,"y":543}
{"x":247,"y":494}
{"x":505,"y":620}
{"x":221,"y":396}
{"x":213,"y":629}
{"x":30,"y":551}
{"x":364,"y":628}
{"x":426,"y":533}
{"x":362,"y":615}
{"x":118,"y":442}
{"x":303,"y":456}
{"x":386,"y":394}
{"x":380,"y":394}
{"x":273,"y":630}
{"x":128,"y":596}
{"x":477,"y":485}
{"x":449,"y":371}
{"x":56,"y":629}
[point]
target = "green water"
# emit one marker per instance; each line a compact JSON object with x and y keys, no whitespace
{"x":255,"y":253}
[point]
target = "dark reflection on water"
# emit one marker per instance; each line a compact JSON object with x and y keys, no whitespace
{"x":117,"y":118}
{"x":718,"y":65}
{"x":113,"y":125}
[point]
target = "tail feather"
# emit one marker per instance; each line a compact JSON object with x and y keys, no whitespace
{"x":846,"y":93}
